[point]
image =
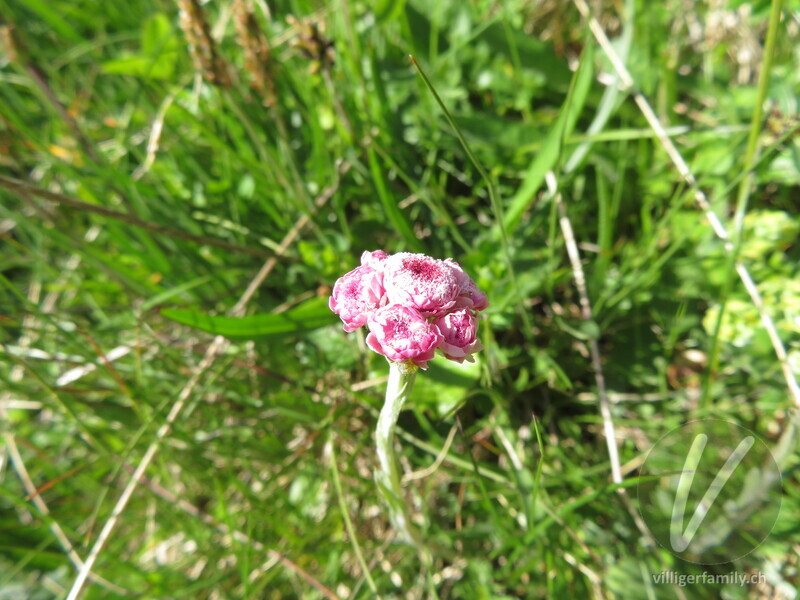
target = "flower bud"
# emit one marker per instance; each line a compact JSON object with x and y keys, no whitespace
{"x":459,"y":329}
{"x":401,"y":334}
{"x":356,"y":295}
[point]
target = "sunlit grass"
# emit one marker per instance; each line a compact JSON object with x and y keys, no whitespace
{"x":142,"y":191}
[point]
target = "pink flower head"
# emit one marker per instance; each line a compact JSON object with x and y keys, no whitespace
{"x":411,"y":304}
{"x":459,"y":329}
{"x":421,"y":282}
{"x":356,"y":295}
{"x":374,"y":259}
{"x":401,"y":333}
{"x":469,"y":294}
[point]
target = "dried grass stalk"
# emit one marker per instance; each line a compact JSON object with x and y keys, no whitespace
{"x":201,"y":45}
{"x":257,"y":57}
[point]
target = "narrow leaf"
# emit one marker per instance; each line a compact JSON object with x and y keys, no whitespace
{"x":548,"y":156}
{"x":310,"y":315}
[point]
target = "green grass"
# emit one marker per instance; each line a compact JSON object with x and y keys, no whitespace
{"x":125,"y":251}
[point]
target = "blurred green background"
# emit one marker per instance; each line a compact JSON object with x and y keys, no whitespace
{"x":157,"y":155}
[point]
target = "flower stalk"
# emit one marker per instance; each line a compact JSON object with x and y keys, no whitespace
{"x":398,"y":389}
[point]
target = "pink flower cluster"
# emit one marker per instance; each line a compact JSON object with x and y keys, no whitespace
{"x":412,"y":304}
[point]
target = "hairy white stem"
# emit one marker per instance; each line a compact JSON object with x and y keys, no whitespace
{"x":398,"y":389}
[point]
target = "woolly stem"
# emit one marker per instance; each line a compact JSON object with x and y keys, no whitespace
{"x":398,"y":389}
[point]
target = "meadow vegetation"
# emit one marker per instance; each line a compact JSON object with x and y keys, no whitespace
{"x":182,"y":184}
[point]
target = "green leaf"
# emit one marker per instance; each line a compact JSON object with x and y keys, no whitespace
{"x":446,"y":384}
{"x":159,"y":52}
{"x":497,"y":131}
{"x":388,"y":10}
{"x":534,"y":54}
{"x":54,"y":18}
{"x":548,"y":156}
{"x":396,"y":217}
{"x":177,"y":290}
{"x":421,"y":31}
{"x":310,"y":315}
{"x":157,"y":35}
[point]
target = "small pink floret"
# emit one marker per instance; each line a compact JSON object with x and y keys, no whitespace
{"x":421,"y":282}
{"x":402,"y":333}
{"x":469,"y":294}
{"x":459,"y":329}
{"x":374,"y":259}
{"x":356,"y":295}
